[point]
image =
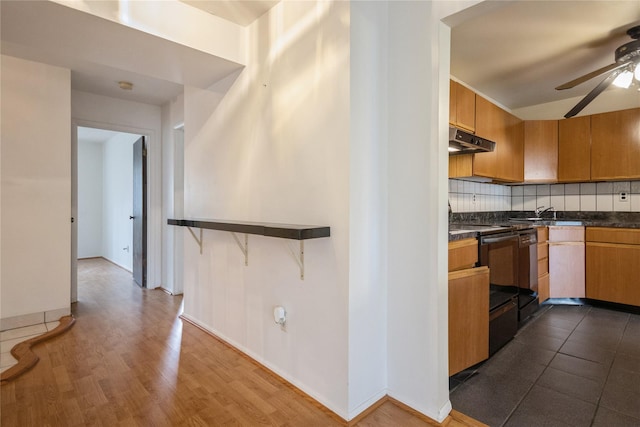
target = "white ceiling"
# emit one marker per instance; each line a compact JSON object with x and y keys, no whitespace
{"x":517,"y":52}
{"x":513,"y":52}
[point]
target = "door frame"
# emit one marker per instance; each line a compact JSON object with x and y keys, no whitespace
{"x":154,"y":198}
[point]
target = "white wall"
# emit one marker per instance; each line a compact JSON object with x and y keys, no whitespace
{"x":89,"y":199}
{"x":36,"y":182}
{"x":378,"y":177}
{"x":132,"y":117}
{"x":417,"y":297}
{"x":368,"y":205}
{"x":276,"y":149}
{"x":172,"y":193}
{"x":117,"y":202}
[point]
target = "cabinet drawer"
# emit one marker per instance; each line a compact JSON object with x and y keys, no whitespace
{"x":543,"y":250}
{"x":463,"y":254}
{"x":628,"y":236}
{"x":543,"y":266}
{"x":543,"y":287}
{"x":543,"y":234}
{"x":566,"y":234}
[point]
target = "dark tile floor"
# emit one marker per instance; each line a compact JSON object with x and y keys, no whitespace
{"x":568,"y":366}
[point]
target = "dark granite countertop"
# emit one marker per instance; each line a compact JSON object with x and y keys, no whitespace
{"x":518,"y":219}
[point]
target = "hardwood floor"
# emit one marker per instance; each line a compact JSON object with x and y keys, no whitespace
{"x":131,"y":361}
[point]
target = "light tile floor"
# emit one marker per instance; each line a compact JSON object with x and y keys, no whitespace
{"x":12,"y":337}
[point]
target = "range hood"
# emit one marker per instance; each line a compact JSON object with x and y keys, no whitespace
{"x":461,"y":142}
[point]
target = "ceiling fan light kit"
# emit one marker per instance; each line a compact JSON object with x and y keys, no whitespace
{"x":623,"y":79}
{"x":621,"y":73}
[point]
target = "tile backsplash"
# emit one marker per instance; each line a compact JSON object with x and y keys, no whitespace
{"x":470,"y":196}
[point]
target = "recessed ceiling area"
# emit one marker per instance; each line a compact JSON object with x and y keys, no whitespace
{"x":241,"y":12}
{"x":517,"y":52}
{"x":100,"y":52}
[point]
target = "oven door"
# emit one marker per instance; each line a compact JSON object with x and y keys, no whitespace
{"x":499,"y":252}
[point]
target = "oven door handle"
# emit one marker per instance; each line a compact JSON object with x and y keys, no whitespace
{"x":487,"y":240}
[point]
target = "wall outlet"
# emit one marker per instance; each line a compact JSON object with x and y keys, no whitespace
{"x":623,"y":196}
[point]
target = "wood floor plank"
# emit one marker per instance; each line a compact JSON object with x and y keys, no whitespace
{"x":129,"y":360}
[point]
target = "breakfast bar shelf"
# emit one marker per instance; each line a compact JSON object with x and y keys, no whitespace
{"x":283,"y":231}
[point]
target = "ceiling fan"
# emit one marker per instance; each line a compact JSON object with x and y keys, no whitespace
{"x":621,"y":73}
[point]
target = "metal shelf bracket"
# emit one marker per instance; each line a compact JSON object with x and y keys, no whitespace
{"x":198,"y":241}
{"x":244,"y":248}
{"x":299,"y":257}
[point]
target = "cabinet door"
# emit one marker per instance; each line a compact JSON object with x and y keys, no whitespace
{"x":489,"y":125}
{"x":615,"y":145}
{"x":566,"y":270}
{"x":541,"y":150}
{"x":462,"y":107}
{"x":574,"y":149}
{"x":468,"y":318}
{"x":453,"y":117}
{"x":612,"y":273}
{"x":461,"y":166}
{"x":465,"y":108}
{"x":512,"y":157}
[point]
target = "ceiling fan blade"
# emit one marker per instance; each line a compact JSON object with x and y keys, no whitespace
{"x":596,"y":73}
{"x":591,"y":95}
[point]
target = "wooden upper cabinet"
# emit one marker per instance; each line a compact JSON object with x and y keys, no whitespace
{"x":513,"y":158}
{"x":462,"y":106}
{"x":461,"y":166}
{"x":574,"y":149}
{"x":615,"y":145}
{"x":541,"y":150}
{"x":489,"y":124}
{"x":506,"y":162}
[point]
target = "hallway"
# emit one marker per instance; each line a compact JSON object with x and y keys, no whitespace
{"x":129,"y":360}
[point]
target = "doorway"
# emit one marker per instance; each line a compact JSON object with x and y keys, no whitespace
{"x":103,"y":202}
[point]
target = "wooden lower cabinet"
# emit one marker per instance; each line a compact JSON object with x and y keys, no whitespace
{"x":566,"y":262}
{"x":613,"y":265}
{"x":468,"y":318}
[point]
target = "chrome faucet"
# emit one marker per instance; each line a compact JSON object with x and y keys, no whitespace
{"x":540,"y":210}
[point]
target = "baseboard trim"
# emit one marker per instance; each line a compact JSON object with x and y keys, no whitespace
{"x":116,"y":264}
{"x":454,"y":416}
{"x":362,"y":415}
{"x":285,"y":382}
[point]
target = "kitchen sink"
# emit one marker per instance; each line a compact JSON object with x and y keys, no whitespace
{"x":546,"y":221}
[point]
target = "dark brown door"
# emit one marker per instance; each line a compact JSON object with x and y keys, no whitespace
{"x":139,"y":215}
